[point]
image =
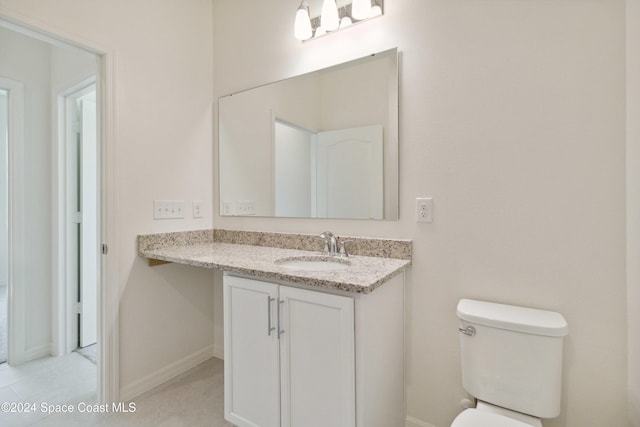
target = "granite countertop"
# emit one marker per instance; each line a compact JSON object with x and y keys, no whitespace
{"x":364,"y":274}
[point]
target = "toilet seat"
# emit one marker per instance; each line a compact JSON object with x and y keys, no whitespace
{"x":477,"y":418}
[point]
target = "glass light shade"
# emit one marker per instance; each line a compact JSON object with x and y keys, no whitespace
{"x":375,"y":11}
{"x":329,"y":18}
{"x":361,"y":9}
{"x":302,"y":29}
{"x":345,"y":22}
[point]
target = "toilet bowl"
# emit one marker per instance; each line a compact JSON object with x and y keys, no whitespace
{"x":487,"y":415}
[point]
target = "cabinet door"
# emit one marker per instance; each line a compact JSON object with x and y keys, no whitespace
{"x":251,"y":362}
{"x":317,"y":359}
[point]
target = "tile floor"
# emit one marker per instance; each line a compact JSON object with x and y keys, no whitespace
{"x":193,"y":399}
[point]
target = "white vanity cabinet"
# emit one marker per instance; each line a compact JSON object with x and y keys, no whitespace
{"x":289,"y":356}
{"x":304,"y":358}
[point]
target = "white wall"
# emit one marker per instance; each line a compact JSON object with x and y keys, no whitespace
{"x":29,"y":61}
{"x":4,"y":201}
{"x":292,"y":171}
{"x":163,"y":115}
{"x":512,"y":118}
{"x":633,"y":207}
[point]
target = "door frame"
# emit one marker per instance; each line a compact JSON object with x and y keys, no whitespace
{"x":15,"y":299}
{"x":64,"y":336}
{"x":108,"y":295}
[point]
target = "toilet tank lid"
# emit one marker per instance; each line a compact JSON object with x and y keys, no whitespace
{"x":513,"y":318}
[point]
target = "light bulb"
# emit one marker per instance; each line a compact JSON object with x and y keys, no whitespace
{"x":375,"y":11}
{"x":320,"y":32}
{"x":302,"y":29}
{"x":360,"y":9}
{"x":345,"y":22}
{"x":329,"y":18}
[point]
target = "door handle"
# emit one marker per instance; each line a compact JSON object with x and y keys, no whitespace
{"x":280,"y":330}
{"x":269,"y":327}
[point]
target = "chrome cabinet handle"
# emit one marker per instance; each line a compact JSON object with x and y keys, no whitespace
{"x":280,"y":331}
{"x":469,"y":330}
{"x":269,"y":327}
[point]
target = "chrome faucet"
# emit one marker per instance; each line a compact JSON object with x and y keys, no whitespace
{"x":343,"y":250}
{"x":330,"y":243}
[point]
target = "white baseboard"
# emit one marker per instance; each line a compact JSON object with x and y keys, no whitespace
{"x":414,"y":422}
{"x":136,"y":388}
{"x":218,"y":351}
{"x":37,"y":352}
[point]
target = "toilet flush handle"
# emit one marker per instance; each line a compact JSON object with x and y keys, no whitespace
{"x":469,"y":330}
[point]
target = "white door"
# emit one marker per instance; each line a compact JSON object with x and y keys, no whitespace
{"x":294,"y":155}
{"x":89,"y":251}
{"x":317,"y":359}
{"x":350,"y":173}
{"x":251,"y":361}
{"x":82,"y":217}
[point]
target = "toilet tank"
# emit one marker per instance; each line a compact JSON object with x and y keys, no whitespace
{"x":514,"y":358}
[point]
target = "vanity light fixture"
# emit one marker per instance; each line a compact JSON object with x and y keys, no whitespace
{"x":303,"y":30}
{"x":361,"y":9}
{"x":329,"y":18}
{"x":345,"y":21}
{"x":333,"y":17}
{"x":320,"y":32}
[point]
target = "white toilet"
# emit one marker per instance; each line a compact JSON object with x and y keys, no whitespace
{"x":511,"y":363}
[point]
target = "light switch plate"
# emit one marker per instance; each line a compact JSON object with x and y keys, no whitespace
{"x":197,"y":209}
{"x":168,"y":209}
{"x":229,"y":207}
{"x":246,"y":207}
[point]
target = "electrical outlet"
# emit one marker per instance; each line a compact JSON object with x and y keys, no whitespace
{"x":246,"y":207}
{"x":228,"y":207}
{"x":424,"y":209}
{"x":197,"y":209}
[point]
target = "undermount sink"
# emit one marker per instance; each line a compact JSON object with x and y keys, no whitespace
{"x":313,"y":263}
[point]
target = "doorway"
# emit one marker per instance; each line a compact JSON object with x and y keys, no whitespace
{"x":36,"y":72}
{"x":22,"y":127}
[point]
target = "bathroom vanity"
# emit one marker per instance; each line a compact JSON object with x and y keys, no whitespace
{"x":312,"y":358}
{"x":309,"y":340}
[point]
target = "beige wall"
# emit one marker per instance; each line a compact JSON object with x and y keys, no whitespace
{"x":163,"y":150}
{"x":633,"y":207}
{"x":512,"y":116}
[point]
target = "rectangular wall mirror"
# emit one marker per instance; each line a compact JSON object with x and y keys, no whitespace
{"x":318,"y":145}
